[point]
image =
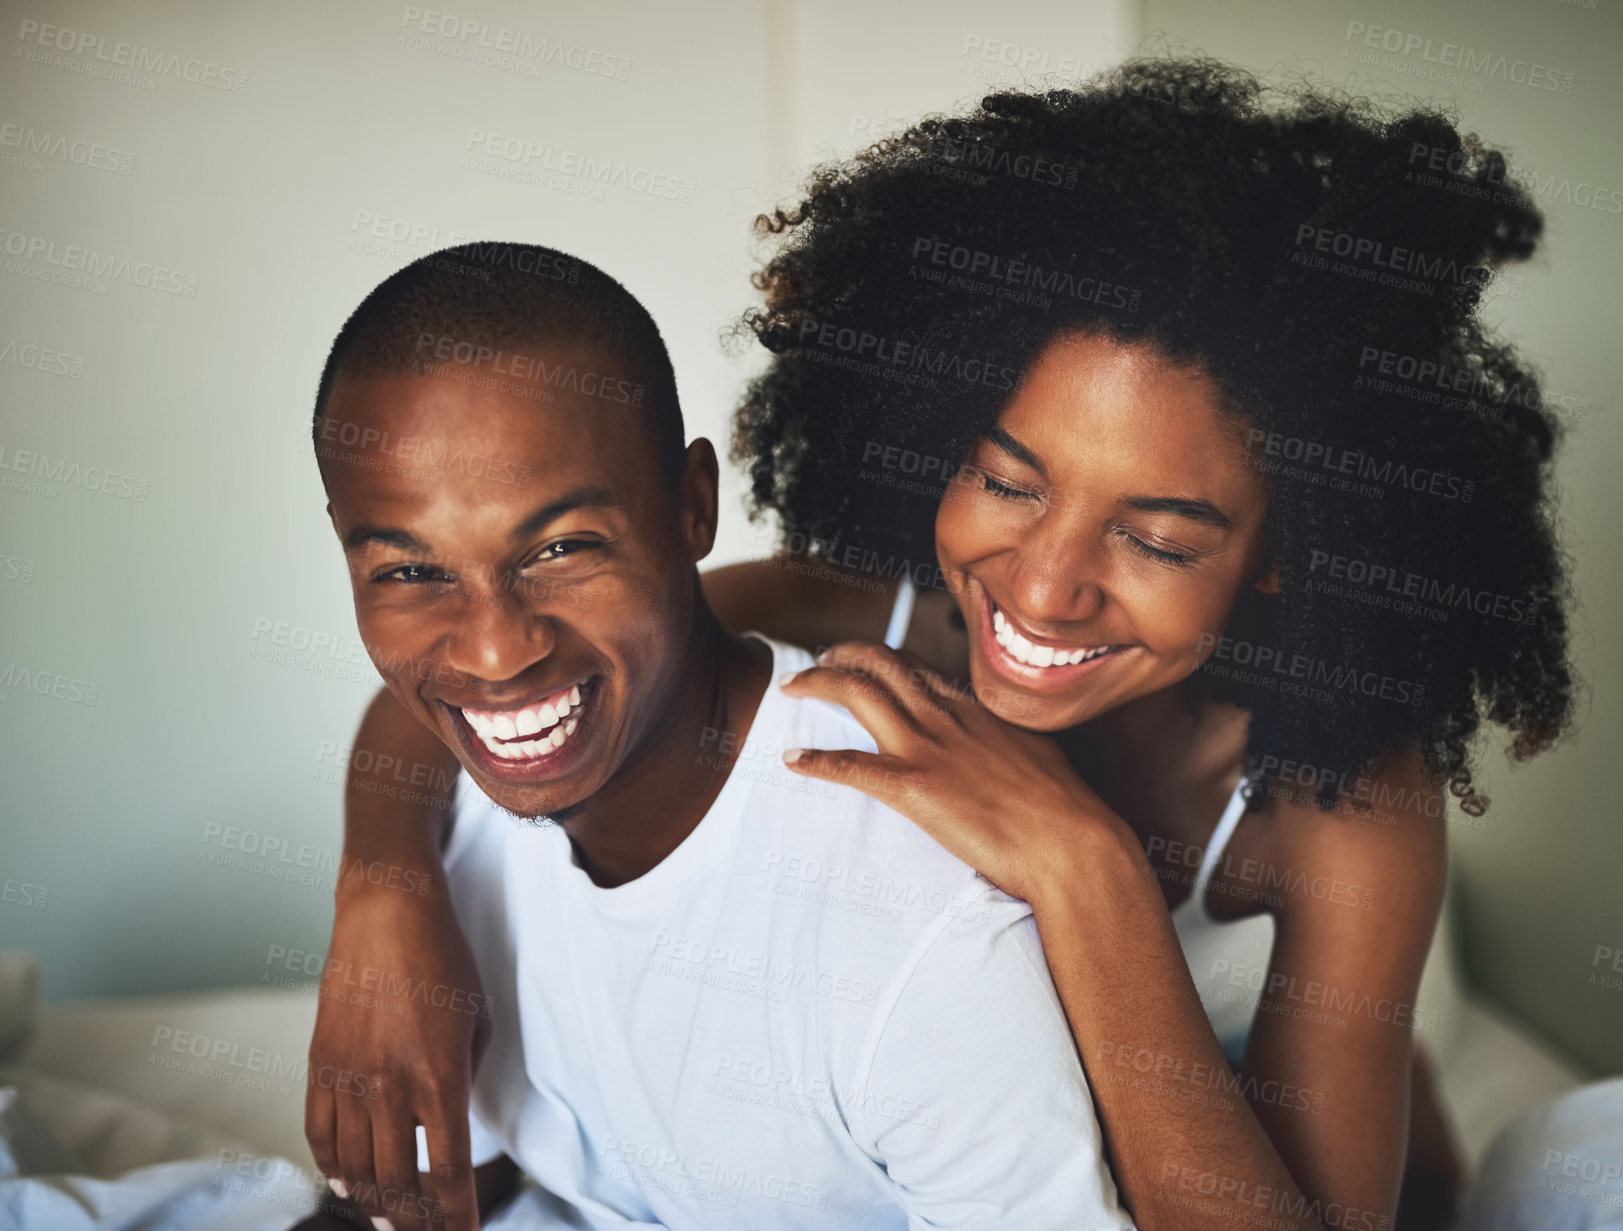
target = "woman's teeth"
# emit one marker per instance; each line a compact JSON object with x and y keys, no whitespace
{"x":549,"y":721}
{"x":1022,"y":650}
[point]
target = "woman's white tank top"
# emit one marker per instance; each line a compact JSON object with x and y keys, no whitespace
{"x":1229,"y":961}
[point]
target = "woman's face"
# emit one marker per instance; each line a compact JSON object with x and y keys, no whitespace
{"x":1097,"y":539}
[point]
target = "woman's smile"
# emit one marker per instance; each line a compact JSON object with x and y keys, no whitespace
{"x":1028,"y":660}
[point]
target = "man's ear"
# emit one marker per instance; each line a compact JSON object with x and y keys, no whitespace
{"x":1268,"y":580}
{"x":701,"y":481}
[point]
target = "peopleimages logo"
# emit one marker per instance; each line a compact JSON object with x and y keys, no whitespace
{"x":93,"y":48}
{"x":39,"y":358}
{"x":1012,"y":274}
{"x":1378,"y":254}
{"x":505,"y":47}
{"x":71,"y":474}
{"x":524,"y":367}
{"x":73,"y":259}
{"x":1352,"y":465}
{"x":1266,"y":660}
{"x":533,"y":160}
{"x":1401,"y":583}
{"x":1445,"y":55}
{"x":28,"y":141}
{"x":863,"y":346}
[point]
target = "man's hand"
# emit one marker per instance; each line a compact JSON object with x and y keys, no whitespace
{"x":399,"y":1032}
{"x":494,"y":1182}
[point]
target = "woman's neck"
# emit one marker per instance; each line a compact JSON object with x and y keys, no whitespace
{"x":1164,"y":743}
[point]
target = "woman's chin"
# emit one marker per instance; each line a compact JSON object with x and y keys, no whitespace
{"x":1029,"y":709}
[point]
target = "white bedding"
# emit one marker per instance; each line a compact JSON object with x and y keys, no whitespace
{"x":86,"y":1151}
{"x":187,"y":1111}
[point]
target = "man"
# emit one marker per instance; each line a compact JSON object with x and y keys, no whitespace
{"x":722,"y":995}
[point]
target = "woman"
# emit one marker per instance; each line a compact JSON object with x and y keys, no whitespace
{"x":1169,"y":400}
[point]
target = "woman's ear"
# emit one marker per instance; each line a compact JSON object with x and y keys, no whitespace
{"x":1268,"y":580}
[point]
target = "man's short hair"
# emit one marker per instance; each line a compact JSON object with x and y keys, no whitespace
{"x":484,"y":306}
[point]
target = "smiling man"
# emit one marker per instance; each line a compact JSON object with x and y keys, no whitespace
{"x":723,"y":995}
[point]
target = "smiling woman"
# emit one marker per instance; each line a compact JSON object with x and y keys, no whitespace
{"x":1257,"y":590}
{"x":1199,"y":196}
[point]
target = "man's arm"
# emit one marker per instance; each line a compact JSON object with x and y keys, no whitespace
{"x":398,"y":789}
{"x":974,"y":1100}
{"x":393,"y":921}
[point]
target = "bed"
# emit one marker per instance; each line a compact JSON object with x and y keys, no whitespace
{"x":203,"y":1093}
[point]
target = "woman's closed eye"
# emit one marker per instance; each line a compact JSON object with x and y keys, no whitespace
{"x":1004,"y":491}
{"x":1149,"y":551}
{"x":1161,"y":555}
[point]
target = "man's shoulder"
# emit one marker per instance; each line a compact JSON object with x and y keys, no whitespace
{"x":837,"y":834}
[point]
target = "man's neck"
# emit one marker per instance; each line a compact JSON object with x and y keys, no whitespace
{"x":654,"y":802}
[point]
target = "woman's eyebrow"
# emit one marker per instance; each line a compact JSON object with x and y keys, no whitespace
{"x":1195,"y":510}
{"x":1016,"y":450}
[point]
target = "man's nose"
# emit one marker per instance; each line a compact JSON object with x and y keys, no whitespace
{"x":499,"y":636}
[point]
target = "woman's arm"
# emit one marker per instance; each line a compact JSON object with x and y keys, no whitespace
{"x":1311,"y":1133}
{"x":1312,"y":1129}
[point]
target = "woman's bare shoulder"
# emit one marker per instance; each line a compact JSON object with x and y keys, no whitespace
{"x":800,"y":601}
{"x":1386,"y":837}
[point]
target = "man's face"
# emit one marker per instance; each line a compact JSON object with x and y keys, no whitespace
{"x":522,"y":568}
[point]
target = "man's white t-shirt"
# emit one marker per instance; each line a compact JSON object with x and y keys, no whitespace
{"x":808,"y":1015}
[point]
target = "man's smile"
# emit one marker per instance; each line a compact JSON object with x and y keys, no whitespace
{"x":536,"y":740}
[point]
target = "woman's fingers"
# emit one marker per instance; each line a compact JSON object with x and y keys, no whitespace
{"x":873,"y":774}
{"x":905,"y":673}
{"x":931,"y":701}
{"x":873,"y":705}
{"x":879,"y":689}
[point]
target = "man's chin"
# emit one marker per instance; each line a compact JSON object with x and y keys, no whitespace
{"x":529,"y":803}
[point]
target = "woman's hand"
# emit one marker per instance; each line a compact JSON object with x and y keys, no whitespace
{"x":1003,"y":800}
{"x":399,"y":1032}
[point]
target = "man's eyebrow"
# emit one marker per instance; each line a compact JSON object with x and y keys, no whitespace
{"x":1195,"y":510}
{"x":580,"y":498}
{"x":360,"y":536}
{"x":1016,"y":450}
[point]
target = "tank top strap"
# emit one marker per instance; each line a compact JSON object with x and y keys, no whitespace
{"x":1226,"y":826}
{"x":901,"y":614}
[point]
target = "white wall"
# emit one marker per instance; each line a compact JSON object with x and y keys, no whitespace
{"x":154,"y":599}
{"x":1541,"y":882}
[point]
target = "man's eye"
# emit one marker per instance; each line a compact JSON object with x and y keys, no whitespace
{"x":411,"y":574}
{"x":565,"y":547}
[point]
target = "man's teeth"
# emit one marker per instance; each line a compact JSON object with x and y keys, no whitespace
{"x":549,"y":721}
{"x":1023,"y":650}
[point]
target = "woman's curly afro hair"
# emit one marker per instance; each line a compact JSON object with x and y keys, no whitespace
{"x":1323,"y":261}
